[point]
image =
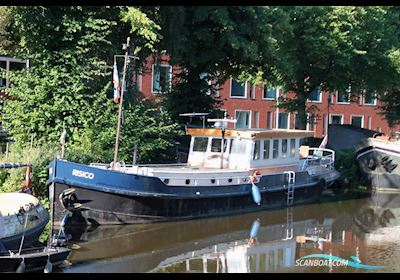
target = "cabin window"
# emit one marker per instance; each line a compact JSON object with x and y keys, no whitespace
{"x":216,"y":145}
{"x":275,"y":148}
{"x":284,"y":148}
{"x":266,"y":149}
{"x":256,"y":154}
{"x":292,"y":147}
{"x":200,"y":144}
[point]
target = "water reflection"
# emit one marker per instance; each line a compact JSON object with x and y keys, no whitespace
{"x":268,"y":241}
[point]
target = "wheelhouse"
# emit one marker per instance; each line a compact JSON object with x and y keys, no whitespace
{"x":245,"y":149}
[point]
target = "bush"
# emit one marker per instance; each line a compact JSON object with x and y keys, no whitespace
{"x":345,"y":163}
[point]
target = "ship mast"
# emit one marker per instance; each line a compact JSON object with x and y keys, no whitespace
{"x":125,"y":47}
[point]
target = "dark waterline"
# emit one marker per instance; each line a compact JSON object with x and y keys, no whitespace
{"x":366,"y":228}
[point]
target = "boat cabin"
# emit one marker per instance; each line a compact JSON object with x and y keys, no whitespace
{"x":245,"y":149}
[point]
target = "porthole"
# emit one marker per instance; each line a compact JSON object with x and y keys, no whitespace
{"x":166,"y":181}
{"x":230,"y":180}
{"x":212,"y":181}
{"x":187,"y":181}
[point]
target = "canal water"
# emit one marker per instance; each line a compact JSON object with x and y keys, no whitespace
{"x":353,"y":235}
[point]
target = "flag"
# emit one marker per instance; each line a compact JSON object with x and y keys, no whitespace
{"x":324,"y":142}
{"x":117,"y":88}
{"x":62,"y":137}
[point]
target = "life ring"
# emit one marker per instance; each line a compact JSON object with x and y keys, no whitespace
{"x":254,"y":176}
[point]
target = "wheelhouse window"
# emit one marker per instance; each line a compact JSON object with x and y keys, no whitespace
{"x":292,"y":147}
{"x":316,"y":95}
{"x":270,"y":93}
{"x":216,"y":145}
{"x":256,"y":153}
{"x":369,"y":98}
{"x":238,"y":89}
{"x":283,"y":120}
{"x":266,"y":149}
{"x":275,"y":149}
{"x":200,"y":144}
{"x":162,"y":77}
{"x":242,"y":119}
{"x":284,"y":148}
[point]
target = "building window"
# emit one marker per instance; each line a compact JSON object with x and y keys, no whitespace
{"x":256,"y":154}
{"x":292,"y":147}
{"x":238,"y":89}
{"x":270,"y":93}
{"x":343,"y":97}
{"x":266,"y":149}
{"x":336,"y":119}
{"x":369,"y":122}
{"x":296,"y":121}
{"x":242,"y":119}
{"x":312,"y":120}
{"x":269,"y":120}
{"x":324,"y":124}
{"x":275,"y":148}
{"x":256,"y":119}
{"x":316,"y":95}
{"x":284,"y":148}
{"x":162,"y":77}
{"x":357,"y":121}
{"x":283,"y":120}
{"x":369,"y":98}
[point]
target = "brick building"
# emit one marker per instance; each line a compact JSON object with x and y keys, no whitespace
{"x":253,"y":106}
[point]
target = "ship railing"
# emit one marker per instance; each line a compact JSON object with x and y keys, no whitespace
{"x":318,"y":160}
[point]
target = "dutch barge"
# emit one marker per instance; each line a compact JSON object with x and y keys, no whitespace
{"x":228,"y":172}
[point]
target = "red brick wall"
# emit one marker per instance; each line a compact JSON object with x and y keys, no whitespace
{"x":263,"y":106}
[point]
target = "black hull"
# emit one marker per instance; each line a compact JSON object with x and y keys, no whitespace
{"x":108,"y":208}
{"x":376,"y":174}
{"x":34,"y":259}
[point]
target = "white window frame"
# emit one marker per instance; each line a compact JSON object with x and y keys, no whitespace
{"x":288,"y":126}
{"x":256,"y":120}
{"x":319,"y":99}
{"x":250,"y":116}
{"x":152,"y":77}
{"x":362,"y":119}
{"x":238,"y":97}
{"x":339,"y":102}
{"x":369,"y":104}
{"x":332,"y":115}
{"x":268,"y":98}
{"x":252,"y":96}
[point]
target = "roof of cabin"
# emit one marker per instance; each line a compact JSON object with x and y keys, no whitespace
{"x":251,"y":133}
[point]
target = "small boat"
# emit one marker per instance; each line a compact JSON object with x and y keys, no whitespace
{"x":378,"y":159}
{"x":257,"y":170}
{"x":33,"y":259}
{"x":22,"y":220}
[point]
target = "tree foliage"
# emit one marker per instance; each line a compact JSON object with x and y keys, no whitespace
{"x":334,"y":48}
{"x":68,"y":84}
{"x":211,"y":43}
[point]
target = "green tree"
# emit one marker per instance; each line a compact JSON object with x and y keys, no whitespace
{"x":334,"y":48}
{"x":68,"y":84}
{"x":212,"y":43}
